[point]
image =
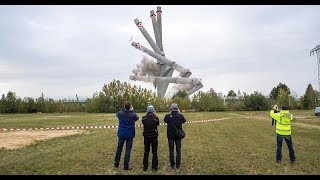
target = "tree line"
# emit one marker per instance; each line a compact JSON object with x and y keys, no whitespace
{"x":110,"y":99}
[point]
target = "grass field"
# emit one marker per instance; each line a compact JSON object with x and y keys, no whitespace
{"x":243,"y":144}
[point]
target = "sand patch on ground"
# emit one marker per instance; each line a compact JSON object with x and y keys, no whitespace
{"x":18,"y":139}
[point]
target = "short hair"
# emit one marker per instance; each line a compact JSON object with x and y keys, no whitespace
{"x":127,"y":105}
{"x":284,"y":107}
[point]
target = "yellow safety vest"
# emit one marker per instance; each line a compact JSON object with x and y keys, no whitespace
{"x":283,"y":118}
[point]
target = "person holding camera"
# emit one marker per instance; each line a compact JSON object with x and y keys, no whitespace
{"x":174,"y":120}
{"x":275,"y":110}
{"x":126,"y":132}
{"x":150,"y":133}
{"x":283,"y":120}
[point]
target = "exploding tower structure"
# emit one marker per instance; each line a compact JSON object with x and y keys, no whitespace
{"x":161,"y":73}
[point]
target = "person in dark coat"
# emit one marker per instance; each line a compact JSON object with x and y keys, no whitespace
{"x":126,"y":132}
{"x":150,"y":133}
{"x":175,"y":118}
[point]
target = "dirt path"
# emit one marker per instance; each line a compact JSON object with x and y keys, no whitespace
{"x":18,"y":139}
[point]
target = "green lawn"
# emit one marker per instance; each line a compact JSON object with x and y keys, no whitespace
{"x":243,"y":144}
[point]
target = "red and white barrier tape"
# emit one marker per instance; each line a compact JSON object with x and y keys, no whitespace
{"x":95,"y":127}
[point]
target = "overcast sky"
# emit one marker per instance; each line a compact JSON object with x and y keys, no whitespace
{"x":67,"y":50}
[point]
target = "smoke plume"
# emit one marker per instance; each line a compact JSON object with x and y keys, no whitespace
{"x":147,"y":67}
{"x":179,"y":87}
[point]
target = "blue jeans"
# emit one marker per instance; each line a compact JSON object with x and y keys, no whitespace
{"x":127,"y":154}
{"x":171,"y":152}
{"x":288,"y":140}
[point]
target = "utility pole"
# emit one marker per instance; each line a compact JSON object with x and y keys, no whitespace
{"x":289,"y":101}
{"x":317,"y":50}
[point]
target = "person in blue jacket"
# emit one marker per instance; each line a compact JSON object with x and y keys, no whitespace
{"x":126,"y":132}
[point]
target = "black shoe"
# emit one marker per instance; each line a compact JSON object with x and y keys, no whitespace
{"x":155,"y":169}
{"x":172,"y":166}
{"x":145,"y":168}
{"x":178,"y":166}
{"x":278,"y":161}
{"x":127,"y":168}
{"x":116,"y":165}
{"x":292,"y":162}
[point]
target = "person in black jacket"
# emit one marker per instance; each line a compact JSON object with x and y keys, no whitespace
{"x":175,"y":118}
{"x":275,"y":110}
{"x":150,"y":132}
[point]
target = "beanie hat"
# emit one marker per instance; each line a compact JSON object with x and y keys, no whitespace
{"x":150,"y":109}
{"x":174,"y":107}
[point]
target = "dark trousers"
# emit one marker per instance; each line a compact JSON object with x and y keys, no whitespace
{"x":154,"y":144}
{"x":171,"y":152}
{"x":127,"y":154}
{"x":288,"y":140}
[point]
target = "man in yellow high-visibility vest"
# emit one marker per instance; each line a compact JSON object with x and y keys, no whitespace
{"x":283,"y":130}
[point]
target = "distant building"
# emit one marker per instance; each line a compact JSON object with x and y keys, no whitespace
{"x":220,"y":95}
